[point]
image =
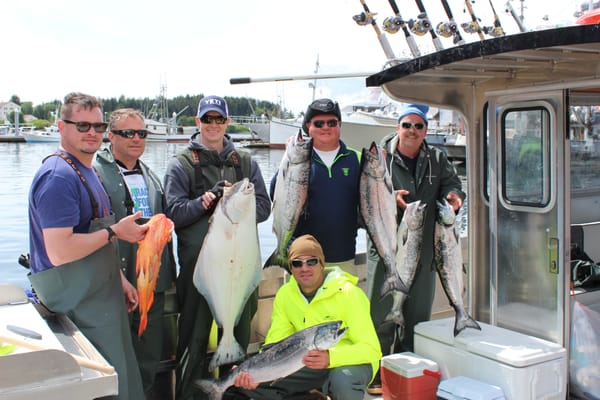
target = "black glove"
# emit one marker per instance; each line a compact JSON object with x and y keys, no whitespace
{"x":217,"y":190}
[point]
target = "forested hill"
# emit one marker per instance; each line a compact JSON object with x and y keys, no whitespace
{"x":237,"y":106}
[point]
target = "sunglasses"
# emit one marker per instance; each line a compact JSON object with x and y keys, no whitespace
{"x":418,"y":125}
{"x":208,"y":119}
{"x":311,"y":262}
{"x":332,"y":123}
{"x":99,"y":127}
{"x":130,"y":133}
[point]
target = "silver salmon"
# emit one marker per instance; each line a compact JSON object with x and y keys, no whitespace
{"x":228,"y":268}
{"x":378,"y":212}
{"x":291,"y":193}
{"x":410,"y":242}
{"x":449,"y":264}
{"x":279,"y":359}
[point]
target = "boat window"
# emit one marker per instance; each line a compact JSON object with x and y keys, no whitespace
{"x":584,"y":133}
{"x":525,"y":150}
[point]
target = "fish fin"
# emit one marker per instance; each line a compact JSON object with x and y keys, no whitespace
{"x":277,"y":260}
{"x":228,"y":355}
{"x":464,"y":321}
{"x":211,"y":387}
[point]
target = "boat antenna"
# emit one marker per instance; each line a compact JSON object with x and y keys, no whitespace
{"x":313,"y":84}
{"x":395,"y":23}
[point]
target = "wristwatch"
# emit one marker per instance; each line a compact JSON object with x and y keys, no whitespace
{"x":111,"y":234}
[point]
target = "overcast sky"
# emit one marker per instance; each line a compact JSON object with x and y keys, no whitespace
{"x":111,"y":48}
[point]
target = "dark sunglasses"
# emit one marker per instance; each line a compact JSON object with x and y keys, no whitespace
{"x":208,"y":119}
{"x":130,"y":133}
{"x":332,"y":123}
{"x":99,"y":127}
{"x":418,"y":125}
{"x":311,"y":262}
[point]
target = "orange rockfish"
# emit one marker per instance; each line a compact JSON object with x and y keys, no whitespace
{"x":147,"y":265}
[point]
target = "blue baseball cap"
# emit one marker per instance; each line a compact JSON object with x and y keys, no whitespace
{"x":213,"y":103}
{"x":417,"y":109}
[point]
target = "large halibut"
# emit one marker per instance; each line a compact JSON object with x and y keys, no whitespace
{"x":229,"y":268}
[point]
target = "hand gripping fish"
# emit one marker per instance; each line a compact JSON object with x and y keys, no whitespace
{"x":279,"y":359}
{"x":378,"y":209}
{"x":449,"y":265}
{"x":147,"y":264}
{"x":291,"y":194}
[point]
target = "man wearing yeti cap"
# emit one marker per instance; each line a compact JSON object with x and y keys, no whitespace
{"x":194,"y":181}
{"x":313,"y":295}
{"x":332,"y":205}
{"x":419,"y":172}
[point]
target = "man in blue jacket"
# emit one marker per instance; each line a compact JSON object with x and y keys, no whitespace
{"x":332,"y":207}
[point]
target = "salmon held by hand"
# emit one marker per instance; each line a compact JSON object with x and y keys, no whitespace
{"x":147,"y":264}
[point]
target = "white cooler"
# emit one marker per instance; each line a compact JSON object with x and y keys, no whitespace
{"x":523,"y":366}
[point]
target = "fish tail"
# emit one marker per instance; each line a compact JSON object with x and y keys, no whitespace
{"x":278,"y":260}
{"x":210,"y":387}
{"x":226,"y":355}
{"x":463,"y":321}
{"x":393,"y":283}
{"x":143,"y":322}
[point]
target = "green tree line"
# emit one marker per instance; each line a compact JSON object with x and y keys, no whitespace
{"x":185,"y":106}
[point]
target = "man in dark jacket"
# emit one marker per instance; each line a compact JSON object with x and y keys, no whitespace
{"x":193,"y":182}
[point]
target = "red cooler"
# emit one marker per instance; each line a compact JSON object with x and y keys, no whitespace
{"x":409,"y":376}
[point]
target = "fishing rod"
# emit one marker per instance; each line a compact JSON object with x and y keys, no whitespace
{"x":519,"y":20}
{"x":496,"y":30}
{"x":366,"y":18}
{"x":395,"y":23}
{"x":473,"y":26}
{"x":422,"y":25}
{"x":450,"y":28}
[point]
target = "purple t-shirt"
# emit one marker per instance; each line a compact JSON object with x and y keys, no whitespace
{"x":58,"y":199}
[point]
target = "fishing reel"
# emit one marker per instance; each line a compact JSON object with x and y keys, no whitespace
{"x":446,"y":29}
{"x":363,"y":18}
{"x":471,"y":27}
{"x":420,"y":26}
{"x":493,"y":31}
{"x":392,"y":24}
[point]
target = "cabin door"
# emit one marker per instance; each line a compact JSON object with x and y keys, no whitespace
{"x":527,"y":211}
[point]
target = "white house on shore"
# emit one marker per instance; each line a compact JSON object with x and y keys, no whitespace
{"x":6,"y":108}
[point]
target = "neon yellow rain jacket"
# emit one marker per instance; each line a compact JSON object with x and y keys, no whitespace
{"x":337,"y":299}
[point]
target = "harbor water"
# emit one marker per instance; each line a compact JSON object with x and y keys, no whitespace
{"x":19,"y":163}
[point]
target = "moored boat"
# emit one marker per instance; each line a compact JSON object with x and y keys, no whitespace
{"x":50,"y":134}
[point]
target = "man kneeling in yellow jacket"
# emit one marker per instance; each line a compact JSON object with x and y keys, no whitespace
{"x":313,"y":295}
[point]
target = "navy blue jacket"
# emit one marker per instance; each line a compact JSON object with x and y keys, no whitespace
{"x":331,"y":213}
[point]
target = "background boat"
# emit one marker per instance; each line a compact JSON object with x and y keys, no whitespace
{"x":50,"y":134}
